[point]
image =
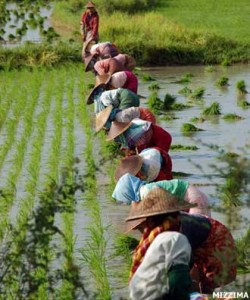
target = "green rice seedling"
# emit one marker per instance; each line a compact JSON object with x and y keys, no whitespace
{"x":232,"y":117}
{"x":179,"y":106}
{"x":197,"y":120}
{"x":154,"y":103}
{"x":243,"y":103}
{"x":185,"y":91}
{"x":168,"y":101}
{"x":180,"y":174}
{"x":94,"y":252}
{"x":197,"y":93}
{"x":189,"y":128}
{"x":168,"y":117}
{"x":223,"y":81}
{"x":242,"y":246}
{"x":153,"y":86}
{"x":178,"y":147}
{"x":213,"y":110}
{"x":123,"y":246}
{"x":241,"y":87}
{"x":111,"y":150}
{"x":185,"y":79}
{"x":11,"y":37}
{"x":147,"y":77}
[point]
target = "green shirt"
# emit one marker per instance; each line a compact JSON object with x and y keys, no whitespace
{"x":176,"y":187}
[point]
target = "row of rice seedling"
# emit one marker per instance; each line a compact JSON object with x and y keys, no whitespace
{"x":12,"y":117}
{"x":52,"y":155}
{"x":70,"y":283}
{"x":94,"y":251}
{"x":31,"y":173}
{"x":15,"y":159}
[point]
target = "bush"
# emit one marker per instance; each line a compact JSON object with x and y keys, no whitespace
{"x":129,"y":6}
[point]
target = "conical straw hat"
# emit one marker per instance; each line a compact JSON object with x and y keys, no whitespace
{"x":90,"y":99}
{"x":90,"y":4}
{"x":102,"y":118}
{"x":130,"y":62}
{"x":102,"y":79}
{"x":88,"y":60}
{"x":130,"y":164}
{"x":157,"y":202}
{"x":116,"y":129}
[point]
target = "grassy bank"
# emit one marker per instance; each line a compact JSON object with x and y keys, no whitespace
{"x":226,"y":18}
{"x":154,"y":38}
{"x":176,"y":32}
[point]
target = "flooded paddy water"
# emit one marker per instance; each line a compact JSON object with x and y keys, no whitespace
{"x":25,"y":24}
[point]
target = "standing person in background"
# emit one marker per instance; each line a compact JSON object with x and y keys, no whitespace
{"x":89,"y":28}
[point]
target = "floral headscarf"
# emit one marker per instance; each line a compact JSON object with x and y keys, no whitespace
{"x":129,"y":138}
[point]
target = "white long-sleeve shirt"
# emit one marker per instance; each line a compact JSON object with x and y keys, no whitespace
{"x":150,"y":281}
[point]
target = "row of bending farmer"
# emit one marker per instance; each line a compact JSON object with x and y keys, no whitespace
{"x":183,"y":252}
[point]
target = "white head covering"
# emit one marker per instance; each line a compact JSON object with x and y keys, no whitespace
{"x":118,"y":79}
{"x":128,"y":114}
{"x":151,"y":164}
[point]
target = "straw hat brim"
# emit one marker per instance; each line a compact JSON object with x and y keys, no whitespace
{"x":162,"y":212}
{"x":158,"y":201}
{"x":131,"y":225}
{"x":105,"y":78}
{"x":87,"y":60}
{"x":131,"y":164}
{"x":116,"y":129}
{"x":90,"y":99}
{"x":90,"y":5}
{"x":102,"y":117}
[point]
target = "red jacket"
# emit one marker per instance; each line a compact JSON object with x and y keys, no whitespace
{"x":160,"y":138}
{"x":131,"y":82}
{"x":166,"y":166}
{"x":91,"y":23}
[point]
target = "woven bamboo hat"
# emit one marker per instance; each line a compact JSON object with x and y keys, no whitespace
{"x":90,"y":4}
{"x":88,"y":60}
{"x":105,"y":78}
{"x":130,"y":62}
{"x":130,"y":164}
{"x":157,"y":202}
{"x":116,"y":129}
{"x":100,"y":82}
{"x":90,"y":98}
{"x":102,"y":118}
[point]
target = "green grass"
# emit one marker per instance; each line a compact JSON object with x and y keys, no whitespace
{"x":178,"y":147}
{"x":155,"y":38}
{"x":227,"y":18}
{"x":177,"y":33}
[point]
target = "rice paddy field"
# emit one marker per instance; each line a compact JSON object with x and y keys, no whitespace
{"x":59,"y":225}
{"x":61,"y":233}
